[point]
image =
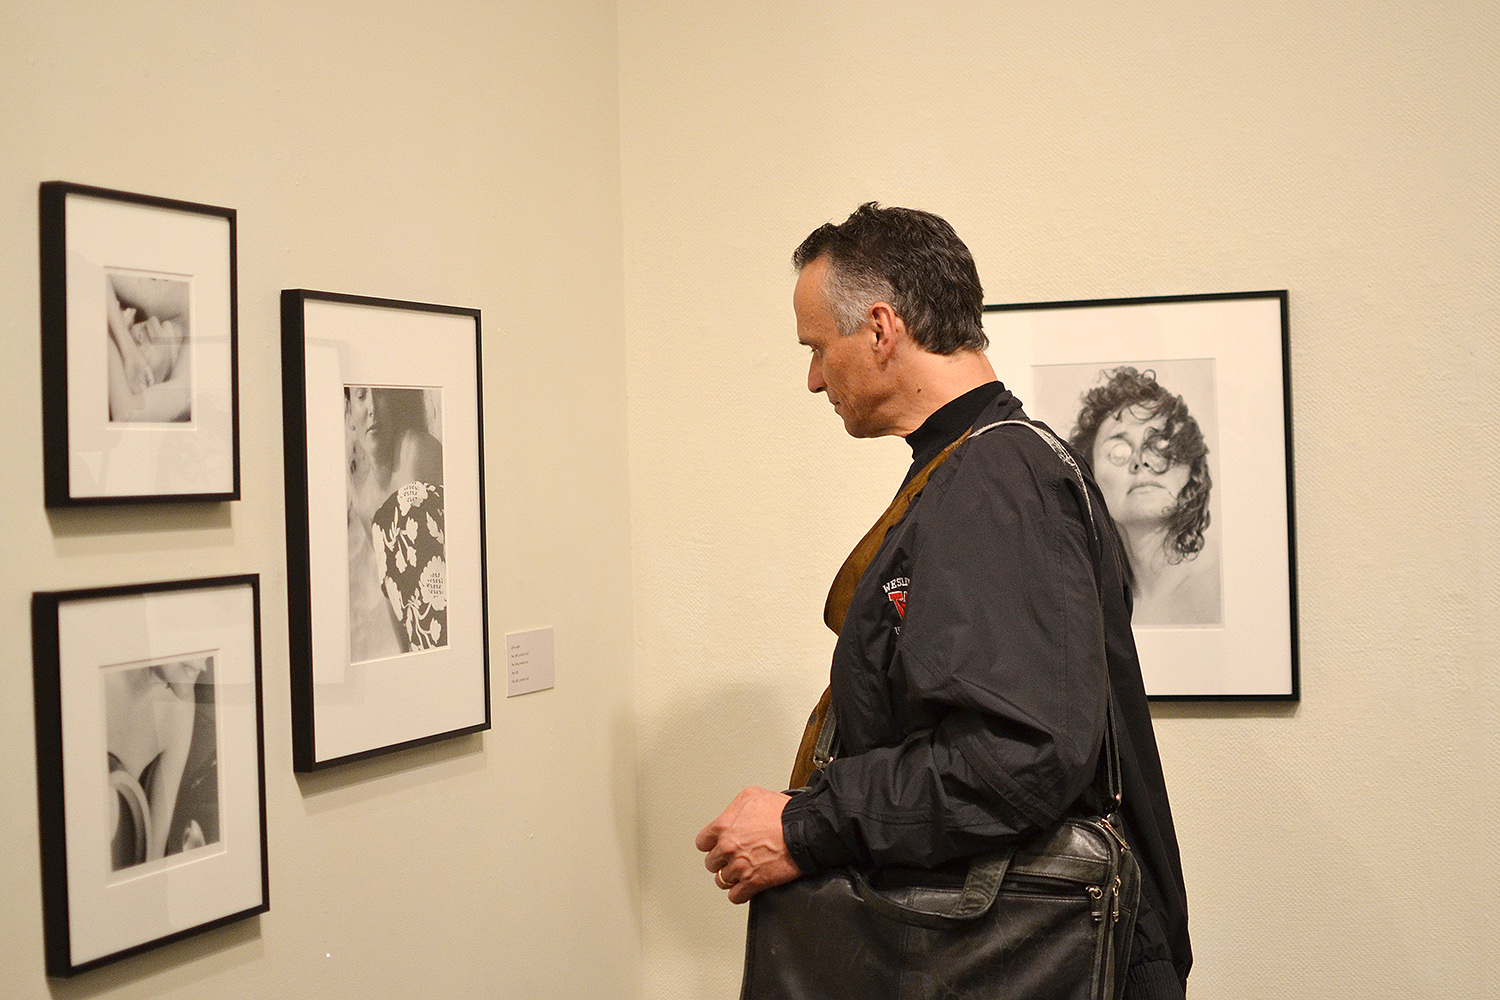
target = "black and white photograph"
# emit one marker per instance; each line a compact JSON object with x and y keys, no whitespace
{"x":397,"y":572}
{"x":162,"y":757}
{"x":1179,"y":406}
{"x":150,"y":361}
{"x":1148,"y":431}
{"x":140,"y":393}
{"x":150,"y":765}
{"x":386,"y":595}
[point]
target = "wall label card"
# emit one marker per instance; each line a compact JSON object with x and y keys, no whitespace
{"x":528,"y":662}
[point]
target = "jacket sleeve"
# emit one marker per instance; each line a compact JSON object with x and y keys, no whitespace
{"x":999,"y":671}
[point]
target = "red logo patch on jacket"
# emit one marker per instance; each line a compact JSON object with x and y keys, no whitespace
{"x":896,"y":591}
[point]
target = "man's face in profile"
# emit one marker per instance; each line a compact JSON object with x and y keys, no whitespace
{"x":846,"y":369}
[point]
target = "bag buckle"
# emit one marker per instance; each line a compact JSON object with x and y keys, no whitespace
{"x":823,"y":753}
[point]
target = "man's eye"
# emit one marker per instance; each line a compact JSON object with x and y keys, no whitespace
{"x":1118,"y":452}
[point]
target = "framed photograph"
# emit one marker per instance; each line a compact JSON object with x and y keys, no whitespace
{"x":150,"y":765}
{"x":385,"y":525}
{"x":139,"y":383}
{"x":1181,"y":407}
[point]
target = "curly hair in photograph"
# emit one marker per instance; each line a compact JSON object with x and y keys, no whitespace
{"x":1125,"y":388}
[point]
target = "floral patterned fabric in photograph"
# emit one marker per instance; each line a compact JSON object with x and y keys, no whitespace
{"x":408,"y":529}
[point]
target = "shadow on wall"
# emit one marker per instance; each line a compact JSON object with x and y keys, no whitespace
{"x":625,"y":808}
{"x":378,"y":777}
{"x":188,"y":965}
{"x":701,"y":752}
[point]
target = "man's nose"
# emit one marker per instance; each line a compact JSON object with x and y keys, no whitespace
{"x":815,"y":381}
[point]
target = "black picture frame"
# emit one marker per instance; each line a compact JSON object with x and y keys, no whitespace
{"x":386,"y":577}
{"x":140,"y":336}
{"x":141,"y":849}
{"x":1216,"y":588}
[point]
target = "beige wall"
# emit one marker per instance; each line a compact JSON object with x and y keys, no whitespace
{"x":574,"y":175}
{"x":1092,"y":150}
{"x":462,"y":153}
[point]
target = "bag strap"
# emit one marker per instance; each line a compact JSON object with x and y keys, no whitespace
{"x":841,"y":593}
{"x":987,"y":871}
{"x":981,"y":886}
{"x":816,"y":747}
{"x":813,"y":742}
{"x":1113,"y":779}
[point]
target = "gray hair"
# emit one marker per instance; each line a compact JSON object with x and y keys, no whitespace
{"x":913,"y":261}
{"x":851,"y":294}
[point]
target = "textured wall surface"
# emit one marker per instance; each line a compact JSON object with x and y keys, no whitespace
{"x":461,"y":153}
{"x":1091,"y":151}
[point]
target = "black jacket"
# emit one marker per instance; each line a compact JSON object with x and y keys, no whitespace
{"x":969,"y":682}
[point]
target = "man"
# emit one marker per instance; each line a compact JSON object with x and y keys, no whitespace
{"x":973,"y":667}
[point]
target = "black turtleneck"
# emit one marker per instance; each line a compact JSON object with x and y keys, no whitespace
{"x":946,"y":423}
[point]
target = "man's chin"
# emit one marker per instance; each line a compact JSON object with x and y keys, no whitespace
{"x":856,"y":427}
{"x":857,"y":430}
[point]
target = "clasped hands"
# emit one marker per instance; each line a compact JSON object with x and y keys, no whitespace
{"x":744,"y":846}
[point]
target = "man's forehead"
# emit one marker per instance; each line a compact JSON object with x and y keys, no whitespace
{"x":807,"y":283}
{"x":809,"y":304}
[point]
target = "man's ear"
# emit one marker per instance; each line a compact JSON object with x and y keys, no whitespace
{"x":890,"y":330}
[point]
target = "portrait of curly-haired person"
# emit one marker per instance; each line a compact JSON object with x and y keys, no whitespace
{"x":1152,"y":460}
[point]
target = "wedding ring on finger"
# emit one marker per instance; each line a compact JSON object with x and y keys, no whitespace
{"x":719,"y":880}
